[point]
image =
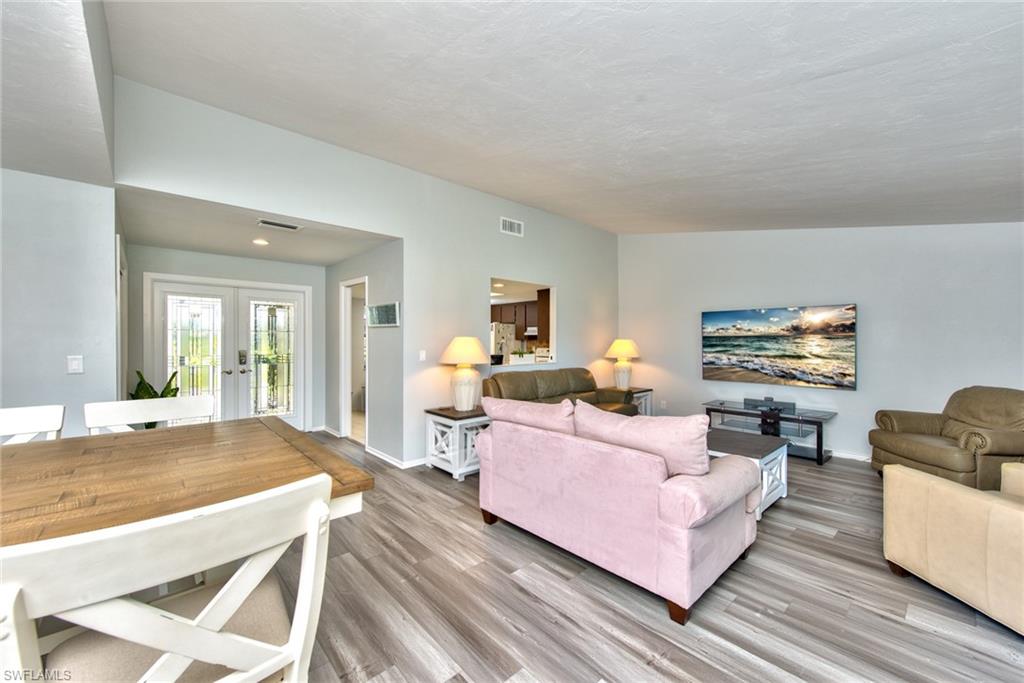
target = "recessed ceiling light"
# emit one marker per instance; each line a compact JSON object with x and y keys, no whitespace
{"x":498,"y":285}
{"x":260,"y":242}
{"x":497,"y":294}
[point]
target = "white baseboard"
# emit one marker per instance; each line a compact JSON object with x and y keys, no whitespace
{"x":851,"y":456}
{"x":393,"y":461}
{"x":330,"y":430}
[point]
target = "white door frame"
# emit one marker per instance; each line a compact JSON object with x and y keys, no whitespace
{"x":345,"y":359}
{"x":150,"y":352}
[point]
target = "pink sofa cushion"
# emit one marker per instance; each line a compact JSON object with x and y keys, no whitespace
{"x":555,"y":417}
{"x":681,"y":441}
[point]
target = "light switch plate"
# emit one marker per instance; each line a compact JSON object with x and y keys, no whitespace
{"x":423,"y":354}
{"x":664,"y":404}
{"x":75,"y":365}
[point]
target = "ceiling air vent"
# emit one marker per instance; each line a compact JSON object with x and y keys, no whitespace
{"x":511,"y":227}
{"x":275,"y":225}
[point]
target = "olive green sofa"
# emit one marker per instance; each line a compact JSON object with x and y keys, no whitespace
{"x":551,"y":386}
{"x":979,"y":429}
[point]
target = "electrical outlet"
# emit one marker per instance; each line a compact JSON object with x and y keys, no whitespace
{"x":663,"y":404}
{"x":423,"y":354}
{"x":75,"y":365}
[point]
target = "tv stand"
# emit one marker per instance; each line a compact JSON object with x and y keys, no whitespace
{"x":776,"y":418}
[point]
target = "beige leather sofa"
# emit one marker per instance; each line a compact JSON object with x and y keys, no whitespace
{"x":967,"y":542}
{"x":979,"y":429}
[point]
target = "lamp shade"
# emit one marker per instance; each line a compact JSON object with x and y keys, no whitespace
{"x":465,"y":351}
{"x":623,"y":348}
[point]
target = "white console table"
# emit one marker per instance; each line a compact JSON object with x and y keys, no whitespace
{"x":643,"y":398}
{"x":450,"y":436}
{"x":770,"y":452}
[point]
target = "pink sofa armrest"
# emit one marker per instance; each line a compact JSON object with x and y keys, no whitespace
{"x":689,"y":501}
{"x":483,"y":444}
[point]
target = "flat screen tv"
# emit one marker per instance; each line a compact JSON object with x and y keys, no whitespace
{"x":807,"y":346}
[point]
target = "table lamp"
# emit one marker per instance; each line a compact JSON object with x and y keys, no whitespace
{"x":464,"y":353}
{"x":622,"y":350}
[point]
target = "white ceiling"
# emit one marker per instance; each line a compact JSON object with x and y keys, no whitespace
{"x":52,"y":120}
{"x":157,"y":219}
{"x":631,"y":117}
{"x":513,"y":291}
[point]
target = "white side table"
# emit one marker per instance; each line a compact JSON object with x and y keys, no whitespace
{"x":450,"y":436}
{"x":770,"y":452}
{"x":643,"y":398}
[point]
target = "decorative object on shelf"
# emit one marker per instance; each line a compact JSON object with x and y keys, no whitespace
{"x":383,"y":315}
{"x":464,"y":353}
{"x":623,"y":350}
{"x":451,"y":438}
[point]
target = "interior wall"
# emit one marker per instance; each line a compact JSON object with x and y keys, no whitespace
{"x":452,"y":246}
{"x":144,"y":259}
{"x":58,"y":294}
{"x":938,"y":308}
{"x":383,"y":268}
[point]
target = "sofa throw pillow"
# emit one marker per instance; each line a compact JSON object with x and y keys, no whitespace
{"x":681,"y":441}
{"x":555,"y":417}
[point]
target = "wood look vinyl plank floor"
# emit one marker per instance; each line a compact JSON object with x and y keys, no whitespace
{"x":420,"y":589}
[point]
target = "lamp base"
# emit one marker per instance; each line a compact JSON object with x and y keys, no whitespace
{"x":623,"y":368}
{"x":464,"y":382}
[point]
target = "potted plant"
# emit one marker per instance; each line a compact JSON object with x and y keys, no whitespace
{"x":145,"y":390}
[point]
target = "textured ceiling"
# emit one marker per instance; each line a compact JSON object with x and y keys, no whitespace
{"x":157,"y":219}
{"x":52,"y":122}
{"x":631,"y":117}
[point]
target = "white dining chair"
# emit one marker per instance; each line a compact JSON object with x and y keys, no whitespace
{"x":117,"y":416}
{"x":21,"y":425}
{"x":84,"y":578}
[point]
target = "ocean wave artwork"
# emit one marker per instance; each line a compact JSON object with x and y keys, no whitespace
{"x":811,"y":346}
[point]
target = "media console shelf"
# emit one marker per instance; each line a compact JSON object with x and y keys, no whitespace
{"x":776,"y":418}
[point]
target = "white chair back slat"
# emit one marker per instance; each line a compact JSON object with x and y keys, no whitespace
{"x":21,"y":425}
{"x":82,"y":578}
{"x":117,"y":416}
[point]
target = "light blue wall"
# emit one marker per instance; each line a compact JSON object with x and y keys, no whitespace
{"x":58,"y":296}
{"x":383,"y":268}
{"x":452,"y":246}
{"x":143,"y":259}
{"x":939,"y":307}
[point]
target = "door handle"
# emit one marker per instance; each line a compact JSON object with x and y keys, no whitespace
{"x":241,"y":371}
{"x":228,"y":372}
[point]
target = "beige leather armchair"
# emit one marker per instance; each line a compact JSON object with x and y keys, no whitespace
{"x":979,"y":430}
{"x":967,"y":542}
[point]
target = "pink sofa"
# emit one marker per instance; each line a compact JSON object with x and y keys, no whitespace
{"x":618,"y":507}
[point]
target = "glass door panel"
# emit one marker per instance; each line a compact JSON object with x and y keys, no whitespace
{"x":244,"y":346}
{"x":271,"y":375}
{"x":194,"y":343}
{"x":270,"y":356}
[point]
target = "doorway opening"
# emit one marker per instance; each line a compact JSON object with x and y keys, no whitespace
{"x":354,"y":362}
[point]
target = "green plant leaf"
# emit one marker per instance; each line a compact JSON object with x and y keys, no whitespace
{"x":169,"y":389}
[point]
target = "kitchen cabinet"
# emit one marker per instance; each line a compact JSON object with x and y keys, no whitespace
{"x":531,"y":314}
{"x":508,"y":314}
{"x":520,"y":316}
{"x":543,"y":317}
{"x":495,"y":313}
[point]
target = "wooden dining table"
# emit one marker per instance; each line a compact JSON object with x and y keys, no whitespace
{"x":50,"y":489}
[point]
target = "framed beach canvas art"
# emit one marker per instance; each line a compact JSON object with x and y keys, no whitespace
{"x":808,"y":346}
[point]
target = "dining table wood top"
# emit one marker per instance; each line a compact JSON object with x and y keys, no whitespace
{"x":50,"y":489}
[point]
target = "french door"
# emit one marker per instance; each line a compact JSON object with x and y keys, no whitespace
{"x":243,"y":346}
